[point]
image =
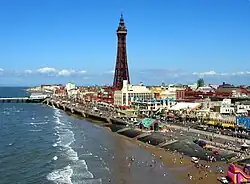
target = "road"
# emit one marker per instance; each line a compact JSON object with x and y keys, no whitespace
{"x":228,"y":138}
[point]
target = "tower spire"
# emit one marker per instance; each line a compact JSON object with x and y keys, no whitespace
{"x":121,"y":16}
{"x":121,"y":67}
{"x":122,"y":26}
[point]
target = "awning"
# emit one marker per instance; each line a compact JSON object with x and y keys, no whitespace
{"x":211,"y":123}
{"x":228,"y":125}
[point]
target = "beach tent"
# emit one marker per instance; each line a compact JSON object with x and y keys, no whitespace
{"x":147,"y":122}
{"x":152,"y":124}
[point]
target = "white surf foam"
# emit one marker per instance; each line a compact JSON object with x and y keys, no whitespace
{"x":42,"y":123}
{"x":61,"y":175}
{"x":58,"y":121}
{"x":77,"y":167}
{"x":35,"y":130}
{"x":87,"y":154}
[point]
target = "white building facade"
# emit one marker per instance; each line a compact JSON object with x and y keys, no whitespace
{"x":243,"y":108}
{"x":130,"y":93}
{"x":226,"y":107}
{"x":70,"y":86}
{"x":71,"y":89}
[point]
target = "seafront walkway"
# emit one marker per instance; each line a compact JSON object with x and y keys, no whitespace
{"x":112,"y":113}
{"x":209,"y":134}
{"x":87,"y":108}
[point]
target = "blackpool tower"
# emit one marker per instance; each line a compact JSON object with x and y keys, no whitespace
{"x":121,"y":66}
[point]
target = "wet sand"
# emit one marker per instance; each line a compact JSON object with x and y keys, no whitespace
{"x":181,"y":165}
{"x":111,"y":154}
{"x":177,"y":166}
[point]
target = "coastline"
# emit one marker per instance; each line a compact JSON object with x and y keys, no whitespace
{"x":180,"y":164}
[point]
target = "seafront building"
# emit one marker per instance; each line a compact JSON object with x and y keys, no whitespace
{"x":130,"y":93}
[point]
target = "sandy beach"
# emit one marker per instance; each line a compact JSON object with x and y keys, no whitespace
{"x":181,"y":165}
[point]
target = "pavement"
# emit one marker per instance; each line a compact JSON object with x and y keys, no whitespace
{"x":225,"y":137}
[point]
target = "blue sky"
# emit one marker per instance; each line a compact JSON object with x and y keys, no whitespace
{"x":175,"y":41}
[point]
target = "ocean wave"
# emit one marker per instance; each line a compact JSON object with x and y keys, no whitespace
{"x":58,"y":121}
{"x":72,"y":154}
{"x":83,"y":175}
{"x":61,"y":175}
{"x":35,"y":130}
{"x":77,"y":168}
{"x":42,"y":123}
{"x":87,"y":154}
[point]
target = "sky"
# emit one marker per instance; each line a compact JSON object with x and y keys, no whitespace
{"x":170,"y":41}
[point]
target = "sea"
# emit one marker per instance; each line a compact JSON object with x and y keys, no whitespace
{"x":44,"y":145}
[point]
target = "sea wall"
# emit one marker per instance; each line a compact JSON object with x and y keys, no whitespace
{"x":114,"y":124}
{"x":118,"y":126}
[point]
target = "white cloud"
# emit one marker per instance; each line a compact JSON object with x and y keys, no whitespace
{"x":224,"y":74}
{"x":211,"y":72}
{"x":214,"y":73}
{"x":241,"y":73}
{"x":46,"y":70}
{"x":1,"y":70}
{"x":28,"y":71}
{"x":66,"y":73}
{"x":82,"y":72}
{"x":111,"y":71}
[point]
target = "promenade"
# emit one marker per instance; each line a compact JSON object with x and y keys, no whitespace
{"x":111,"y":113}
{"x":89,"y":110}
{"x":209,"y":134}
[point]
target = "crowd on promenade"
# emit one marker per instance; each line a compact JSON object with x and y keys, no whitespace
{"x":92,"y":108}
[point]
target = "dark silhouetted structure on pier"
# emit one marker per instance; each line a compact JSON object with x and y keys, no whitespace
{"x":121,"y":67}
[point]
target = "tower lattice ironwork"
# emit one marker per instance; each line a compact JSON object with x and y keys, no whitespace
{"x":121,"y":67}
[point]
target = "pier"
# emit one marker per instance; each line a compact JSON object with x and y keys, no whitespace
{"x":21,"y":100}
